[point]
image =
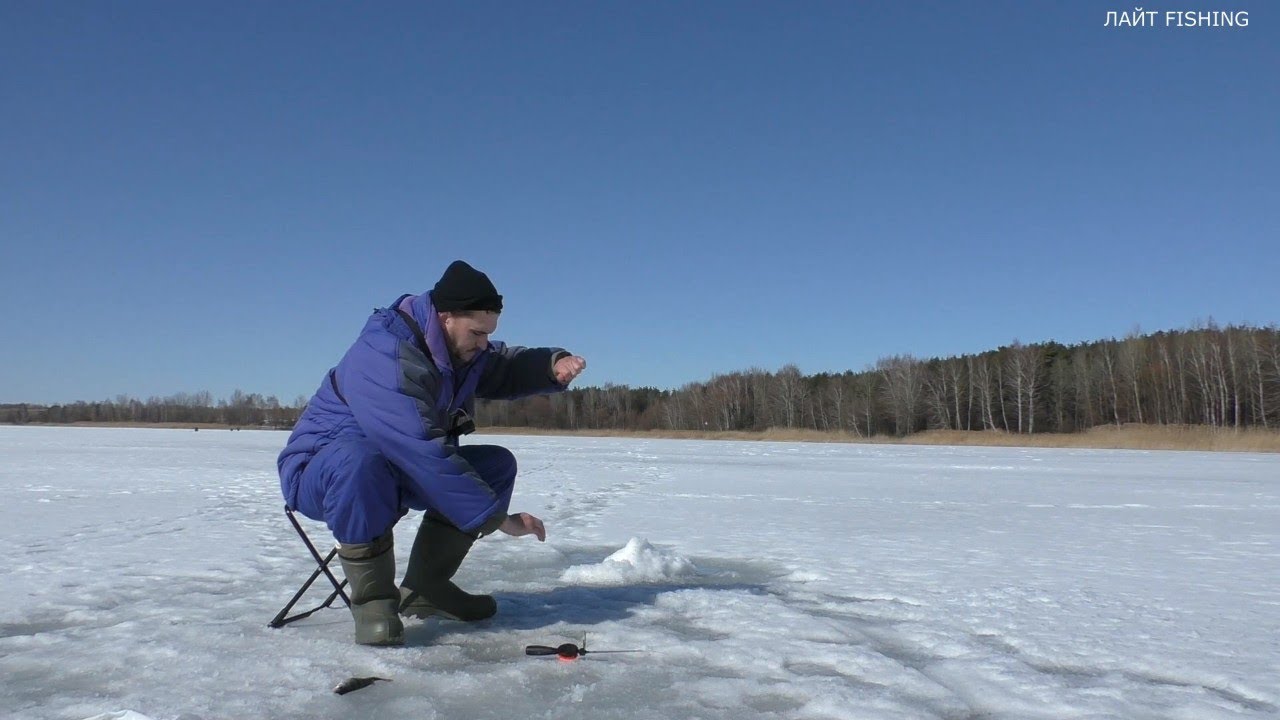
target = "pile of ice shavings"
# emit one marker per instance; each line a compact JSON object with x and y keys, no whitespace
{"x":638,"y":562}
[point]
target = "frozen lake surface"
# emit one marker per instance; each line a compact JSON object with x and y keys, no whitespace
{"x":762,"y":579}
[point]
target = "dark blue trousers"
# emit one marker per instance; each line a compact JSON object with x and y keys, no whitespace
{"x":353,"y":489}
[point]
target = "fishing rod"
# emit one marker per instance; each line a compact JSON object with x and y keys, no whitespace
{"x":566,"y":652}
{"x":569,"y":651}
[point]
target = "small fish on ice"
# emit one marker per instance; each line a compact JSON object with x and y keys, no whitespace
{"x":355,"y":683}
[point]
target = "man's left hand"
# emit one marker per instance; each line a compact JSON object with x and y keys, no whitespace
{"x":569,"y":367}
{"x":518,"y":524}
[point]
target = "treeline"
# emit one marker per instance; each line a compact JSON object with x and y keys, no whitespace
{"x":1212,"y":376}
{"x":241,"y":410}
{"x":1220,"y":377}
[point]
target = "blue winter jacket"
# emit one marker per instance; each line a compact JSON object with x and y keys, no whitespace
{"x":403,"y":397}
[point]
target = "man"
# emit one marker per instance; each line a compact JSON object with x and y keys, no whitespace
{"x":380,"y":437}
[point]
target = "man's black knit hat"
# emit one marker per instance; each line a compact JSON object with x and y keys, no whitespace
{"x":462,"y":288}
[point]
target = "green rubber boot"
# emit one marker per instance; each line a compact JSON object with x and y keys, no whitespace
{"x":371,"y":570}
{"x":428,"y":587}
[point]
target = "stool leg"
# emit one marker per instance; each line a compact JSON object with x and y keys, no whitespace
{"x":283,"y":618}
{"x":322,"y":562}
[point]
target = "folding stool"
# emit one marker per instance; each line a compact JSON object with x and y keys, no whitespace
{"x":322,"y":566}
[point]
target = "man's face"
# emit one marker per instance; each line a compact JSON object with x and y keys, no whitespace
{"x":468,"y":335}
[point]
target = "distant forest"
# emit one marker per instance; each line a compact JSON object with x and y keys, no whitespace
{"x":1223,"y":377}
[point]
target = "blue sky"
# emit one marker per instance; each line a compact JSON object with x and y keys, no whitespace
{"x":205,"y":196}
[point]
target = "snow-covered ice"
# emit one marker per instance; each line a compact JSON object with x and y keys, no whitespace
{"x":761,"y":579}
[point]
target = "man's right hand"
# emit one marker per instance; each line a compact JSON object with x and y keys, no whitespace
{"x":567,"y":368}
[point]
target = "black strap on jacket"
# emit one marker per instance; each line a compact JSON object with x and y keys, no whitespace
{"x":333,"y":380}
{"x":460,"y":423}
{"x":417,"y":332}
{"x":417,"y":336}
